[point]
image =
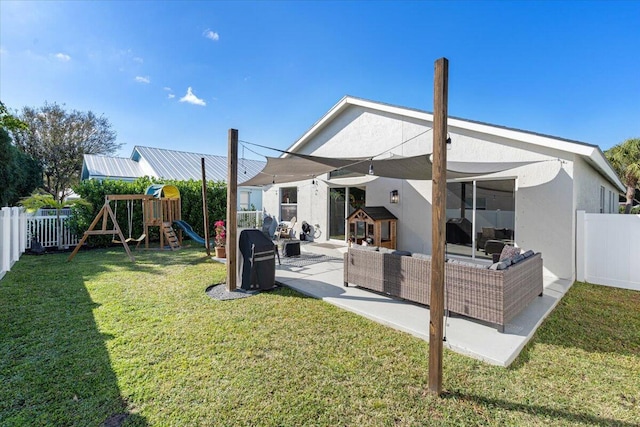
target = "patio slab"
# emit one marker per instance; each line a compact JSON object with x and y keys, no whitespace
{"x":324,"y":280}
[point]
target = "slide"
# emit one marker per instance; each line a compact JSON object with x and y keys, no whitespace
{"x":189,"y":232}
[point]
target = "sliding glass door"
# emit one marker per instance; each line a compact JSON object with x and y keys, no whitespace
{"x":339,"y":209}
{"x":480,"y":217}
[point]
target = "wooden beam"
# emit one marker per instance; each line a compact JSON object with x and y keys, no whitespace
{"x":438,"y":223}
{"x":232,"y":209}
{"x":105,"y":212}
{"x":205,"y":210}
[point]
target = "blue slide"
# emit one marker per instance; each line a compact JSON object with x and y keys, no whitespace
{"x":189,"y":231}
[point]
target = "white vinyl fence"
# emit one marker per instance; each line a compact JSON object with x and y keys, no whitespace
{"x":44,"y":228}
{"x":249,"y":219}
{"x":13,"y":237}
{"x":18,"y":228}
{"x":608,"y":249}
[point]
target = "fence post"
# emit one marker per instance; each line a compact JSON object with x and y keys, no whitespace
{"x":15,"y":234}
{"x":23,"y":230}
{"x":581,"y":250}
{"x":5,"y":245}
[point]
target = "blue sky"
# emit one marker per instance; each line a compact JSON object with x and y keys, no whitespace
{"x":272,"y":69}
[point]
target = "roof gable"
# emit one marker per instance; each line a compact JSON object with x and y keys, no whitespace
{"x":96,"y":166}
{"x":591,"y":153}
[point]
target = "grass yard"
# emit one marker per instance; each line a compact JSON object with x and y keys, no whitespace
{"x":102,"y":341}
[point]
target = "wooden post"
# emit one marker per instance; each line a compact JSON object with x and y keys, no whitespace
{"x":232,"y":208}
{"x":438,"y":222}
{"x":205,"y":211}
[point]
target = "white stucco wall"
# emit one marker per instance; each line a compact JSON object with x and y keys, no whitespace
{"x":546,"y":196}
{"x":587,"y":189}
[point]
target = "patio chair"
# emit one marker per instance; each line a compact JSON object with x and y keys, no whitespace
{"x":285,"y":230}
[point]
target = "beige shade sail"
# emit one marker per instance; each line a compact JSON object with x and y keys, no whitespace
{"x":299,"y":167}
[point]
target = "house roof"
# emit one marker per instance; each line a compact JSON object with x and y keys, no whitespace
{"x":591,"y":153}
{"x":96,"y":166}
{"x":167,"y":164}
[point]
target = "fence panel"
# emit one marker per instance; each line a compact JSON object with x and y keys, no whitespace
{"x":5,"y":240}
{"x":608,"y":249}
{"x":249,"y":219}
{"x":44,"y":228}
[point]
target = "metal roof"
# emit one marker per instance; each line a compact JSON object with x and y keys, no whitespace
{"x":167,"y":164}
{"x":110,"y":167}
{"x":182,"y":165}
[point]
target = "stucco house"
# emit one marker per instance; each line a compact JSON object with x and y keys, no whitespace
{"x":530,"y":201}
{"x":176,"y":165}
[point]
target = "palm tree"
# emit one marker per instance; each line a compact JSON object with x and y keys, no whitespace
{"x":625,"y":159}
{"x":46,"y":200}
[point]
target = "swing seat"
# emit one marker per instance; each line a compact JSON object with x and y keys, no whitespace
{"x":139,"y":240}
{"x":131,"y":239}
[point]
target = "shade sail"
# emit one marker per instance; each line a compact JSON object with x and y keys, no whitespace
{"x":299,"y":167}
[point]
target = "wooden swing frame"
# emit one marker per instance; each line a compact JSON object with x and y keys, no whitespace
{"x":105,"y":213}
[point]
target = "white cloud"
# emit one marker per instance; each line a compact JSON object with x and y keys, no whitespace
{"x":62,"y":57}
{"x":211,"y":35}
{"x":141,"y":79}
{"x":192,"y":99}
{"x":138,"y":60}
{"x":3,"y":51}
{"x":171,"y":96}
{"x":167,"y":88}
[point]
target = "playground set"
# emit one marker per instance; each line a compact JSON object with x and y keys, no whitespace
{"x":161,"y":208}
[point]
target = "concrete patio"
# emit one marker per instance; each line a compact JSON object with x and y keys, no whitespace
{"x":323,"y":279}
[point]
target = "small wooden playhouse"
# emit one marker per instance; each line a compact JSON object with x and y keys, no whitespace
{"x":374,"y":225}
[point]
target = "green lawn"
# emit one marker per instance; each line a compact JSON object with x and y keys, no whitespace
{"x":102,"y":341}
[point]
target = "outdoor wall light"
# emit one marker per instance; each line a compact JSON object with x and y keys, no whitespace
{"x":395,"y":197}
{"x":371,"y":168}
{"x":448,"y":142}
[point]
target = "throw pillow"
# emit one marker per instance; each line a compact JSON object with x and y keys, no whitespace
{"x":500,"y":265}
{"x":509,"y":252}
{"x":528,"y":253}
{"x":421,"y":256}
{"x":516,"y":259}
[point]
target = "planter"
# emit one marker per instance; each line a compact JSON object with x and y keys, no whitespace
{"x":221,"y":252}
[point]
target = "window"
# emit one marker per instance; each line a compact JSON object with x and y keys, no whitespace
{"x":288,"y":203}
{"x":601,"y":199}
{"x":245,"y":200}
{"x":488,"y":207}
{"x":612,"y":204}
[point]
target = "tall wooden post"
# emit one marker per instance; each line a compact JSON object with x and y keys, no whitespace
{"x":205,"y":210}
{"x":439,"y":191}
{"x":232,"y":209}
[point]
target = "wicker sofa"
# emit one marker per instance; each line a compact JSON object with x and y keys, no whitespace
{"x":493,"y":296}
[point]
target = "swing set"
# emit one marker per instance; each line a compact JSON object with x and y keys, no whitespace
{"x":130,"y":221}
{"x":160,"y":208}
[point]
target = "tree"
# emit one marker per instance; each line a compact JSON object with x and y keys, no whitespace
{"x":9,"y":122}
{"x":19,"y":173}
{"x":625,"y":159}
{"x":38,"y":200}
{"x":59,"y":139}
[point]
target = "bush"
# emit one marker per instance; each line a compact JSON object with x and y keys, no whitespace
{"x":95,"y":191}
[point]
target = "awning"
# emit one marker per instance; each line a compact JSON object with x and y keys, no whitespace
{"x":300,"y":167}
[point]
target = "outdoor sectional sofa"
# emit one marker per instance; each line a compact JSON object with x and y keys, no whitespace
{"x":493,"y":296}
